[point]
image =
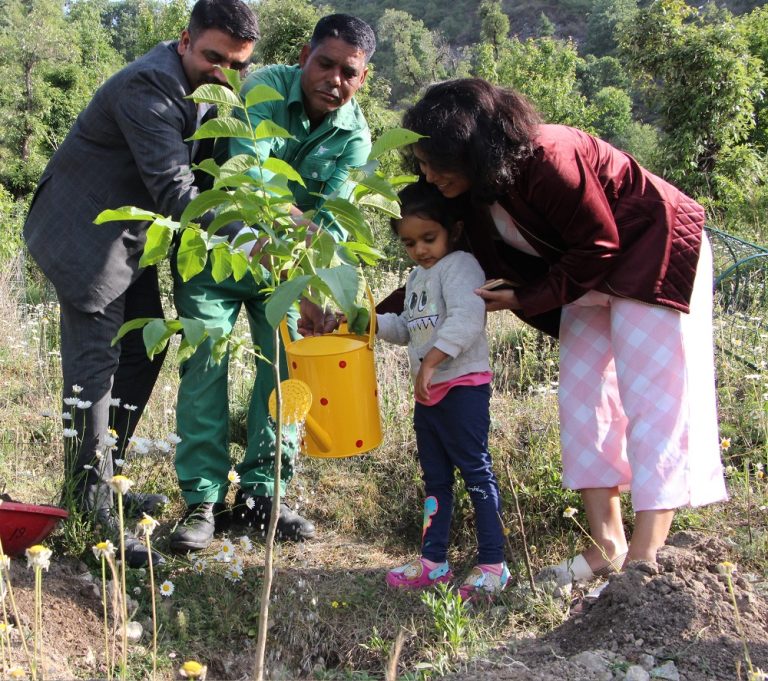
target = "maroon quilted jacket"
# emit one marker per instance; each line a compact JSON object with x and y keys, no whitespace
{"x":599,"y":221}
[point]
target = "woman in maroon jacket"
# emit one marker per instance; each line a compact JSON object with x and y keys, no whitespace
{"x":612,"y":260}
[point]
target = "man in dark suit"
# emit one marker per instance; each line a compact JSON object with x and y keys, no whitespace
{"x":128,"y":147}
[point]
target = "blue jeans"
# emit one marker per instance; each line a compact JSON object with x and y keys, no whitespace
{"x":454,"y":434}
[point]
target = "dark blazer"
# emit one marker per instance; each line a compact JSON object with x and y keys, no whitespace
{"x":126,"y":148}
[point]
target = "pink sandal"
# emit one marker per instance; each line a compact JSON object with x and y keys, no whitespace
{"x":418,"y":575}
{"x":484,"y":581}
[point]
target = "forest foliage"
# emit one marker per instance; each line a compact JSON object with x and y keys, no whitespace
{"x":680,"y":87}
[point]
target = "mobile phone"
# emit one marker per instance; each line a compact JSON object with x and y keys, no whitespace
{"x":497,"y":284}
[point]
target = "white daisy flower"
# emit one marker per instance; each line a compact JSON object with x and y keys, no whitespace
{"x":77,"y":389}
{"x":233,"y":477}
{"x":167,"y":588}
{"x":69,"y":432}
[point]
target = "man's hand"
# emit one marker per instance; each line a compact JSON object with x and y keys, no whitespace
{"x":314,"y":321}
{"x":502,"y":299}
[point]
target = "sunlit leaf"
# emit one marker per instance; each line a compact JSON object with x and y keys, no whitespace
{"x":215,"y":94}
{"x":382,"y":204}
{"x":224,"y":126}
{"x":393,"y":139}
{"x":261,"y":93}
{"x":350,"y":218}
{"x":342,"y":282}
{"x":239,"y":263}
{"x":192,"y":254}
{"x":194,"y":331}
{"x":159,"y":238}
{"x":124,"y":213}
{"x":283,"y":297}
{"x":202,"y":203}
{"x":267,"y":128}
{"x":280,"y":167}
{"x":221,"y":264}
{"x":132,"y":325}
{"x":156,"y":335}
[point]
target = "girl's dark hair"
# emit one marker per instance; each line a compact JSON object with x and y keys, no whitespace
{"x":425,"y":201}
{"x":480,"y":130}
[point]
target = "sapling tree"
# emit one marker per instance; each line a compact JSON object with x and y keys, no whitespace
{"x":296,"y":259}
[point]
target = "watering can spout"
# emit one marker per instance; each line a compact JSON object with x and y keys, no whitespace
{"x":296,"y":401}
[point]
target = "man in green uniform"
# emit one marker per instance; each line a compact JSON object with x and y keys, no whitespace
{"x":331,"y":136}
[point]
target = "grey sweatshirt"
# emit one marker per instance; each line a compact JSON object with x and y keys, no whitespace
{"x":442,"y":311}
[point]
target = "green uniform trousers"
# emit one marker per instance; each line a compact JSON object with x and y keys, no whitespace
{"x":202,"y":410}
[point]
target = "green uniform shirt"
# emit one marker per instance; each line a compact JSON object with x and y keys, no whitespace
{"x":322,"y":156}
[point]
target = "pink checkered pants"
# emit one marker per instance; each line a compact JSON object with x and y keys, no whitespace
{"x":637,"y":398}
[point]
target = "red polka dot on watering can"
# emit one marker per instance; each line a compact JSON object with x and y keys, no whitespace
{"x":359,"y":443}
{"x":342,"y":364}
{"x":294,"y":365}
{"x":324,"y":401}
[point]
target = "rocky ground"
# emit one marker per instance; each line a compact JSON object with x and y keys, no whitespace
{"x":674,"y":620}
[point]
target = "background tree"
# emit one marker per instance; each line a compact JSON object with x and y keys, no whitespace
{"x":409,"y":55}
{"x":33,"y":36}
{"x":286,"y":25}
{"x":703,"y":84}
{"x":494,"y":24}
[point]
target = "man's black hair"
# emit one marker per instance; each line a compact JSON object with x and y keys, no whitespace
{"x":232,"y":16}
{"x":347,"y":28}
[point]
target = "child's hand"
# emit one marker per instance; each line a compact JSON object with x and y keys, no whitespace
{"x":422,"y":383}
{"x":423,"y":379}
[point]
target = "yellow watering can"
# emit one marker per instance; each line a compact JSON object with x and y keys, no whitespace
{"x":340,"y":393}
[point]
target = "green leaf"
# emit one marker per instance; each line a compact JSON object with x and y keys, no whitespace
{"x":215,"y":94}
{"x":239,"y":265}
{"x":192,"y":254}
{"x":354,"y":251}
{"x":360,"y":323}
{"x":233,"y":78}
{"x":132,"y":325}
{"x":241,"y":163}
{"x":224,"y":126}
{"x":261,"y":93}
{"x":202,"y":203}
{"x":209,"y":166}
{"x":381,"y":203}
{"x":194,"y":331}
{"x":378,"y":184}
{"x":219,"y":347}
{"x":159,"y":238}
{"x":221,"y":219}
{"x":350,"y":218}
{"x":342,"y":282}
{"x":221,"y":264}
{"x":280,"y":167}
{"x":393,"y":139}
{"x":267,"y":129}
{"x":124,"y":213}
{"x":156,"y":335}
{"x":283,"y":297}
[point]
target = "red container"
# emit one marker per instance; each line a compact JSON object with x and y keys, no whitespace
{"x":24,"y":525}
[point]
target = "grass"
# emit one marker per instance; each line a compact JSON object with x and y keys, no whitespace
{"x":331,"y":616}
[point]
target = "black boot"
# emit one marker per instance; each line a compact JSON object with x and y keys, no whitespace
{"x":196,"y":528}
{"x":136,"y":503}
{"x":136,"y":554}
{"x":255,"y":512}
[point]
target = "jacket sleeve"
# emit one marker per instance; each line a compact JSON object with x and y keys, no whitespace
{"x":150,"y":112}
{"x":565,"y":192}
{"x":465,"y":310}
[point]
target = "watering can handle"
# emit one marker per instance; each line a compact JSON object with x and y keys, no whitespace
{"x":286,"y":337}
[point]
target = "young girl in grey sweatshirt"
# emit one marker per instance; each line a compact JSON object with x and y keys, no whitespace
{"x":443,"y":324}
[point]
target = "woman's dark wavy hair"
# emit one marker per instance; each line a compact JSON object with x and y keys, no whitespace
{"x":480,"y":130}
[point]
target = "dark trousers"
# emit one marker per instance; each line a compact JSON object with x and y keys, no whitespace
{"x":454,"y":434}
{"x":123,"y":371}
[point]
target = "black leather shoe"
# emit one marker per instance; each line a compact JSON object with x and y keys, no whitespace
{"x":256,"y":515}
{"x":136,"y":554}
{"x":196,"y":529}
{"x":137,"y":503}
